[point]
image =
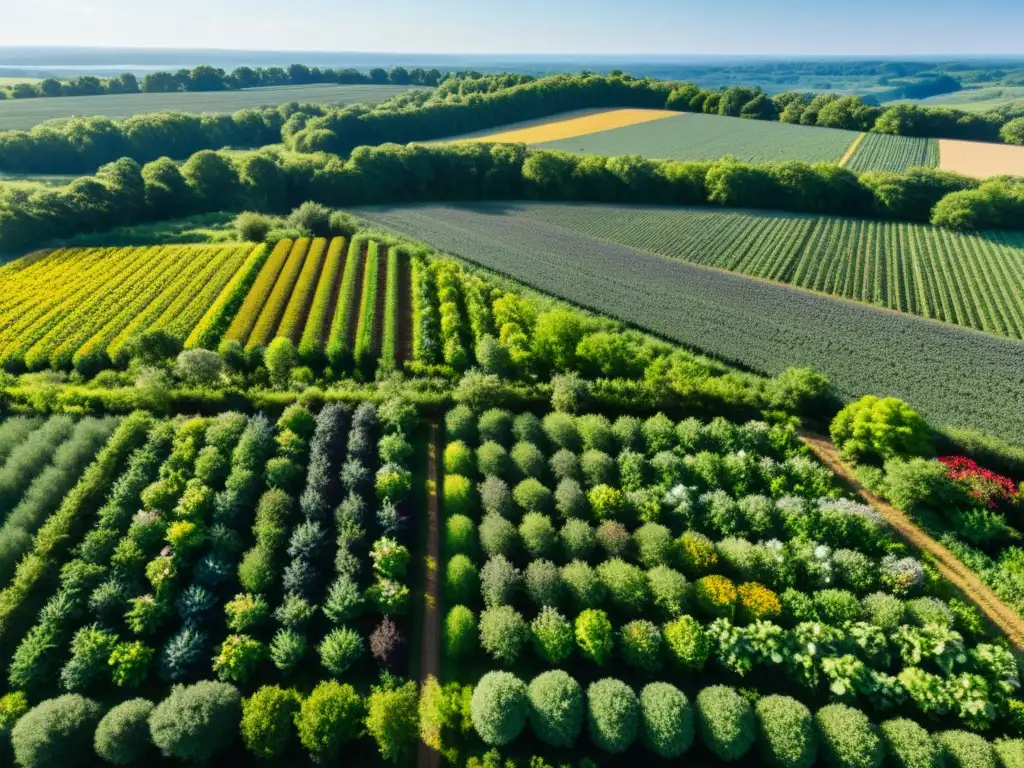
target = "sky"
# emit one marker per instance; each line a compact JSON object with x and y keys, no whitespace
{"x":788,"y":27}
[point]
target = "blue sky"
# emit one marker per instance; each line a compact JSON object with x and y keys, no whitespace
{"x":528,"y":26}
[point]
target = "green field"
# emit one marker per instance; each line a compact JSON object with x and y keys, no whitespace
{"x":709,"y":137}
{"x":974,"y":99}
{"x":882,"y":152}
{"x":957,"y":377}
{"x":964,"y":279}
{"x":22,"y":114}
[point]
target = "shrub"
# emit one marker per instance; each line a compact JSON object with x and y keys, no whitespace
{"x":613,"y":715}
{"x":294,"y":611}
{"x":687,"y":642}
{"x":129,"y":662}
{"x":458,"y":459}
{"x":716,"y":596}
{"x":570,"y":500}
{"x":246,"y":612}
{"x":460,"y":424}
{"x":499,"y":707}
{"x":614,"y":539}
{"x":727,"y":725}
{"x":564,"y":464}
{"x":626,"y":585}
{"x":787,"y":732}
{"x":666,"y":719}
{"x":582,"y":585}
{"x":908,"y":745}
{"x":495,"y":425}
{"x":493,"y":460}
{"x":495,"y":497}
{"x":653,"y":544}
{"x":537,"y":534}
{"x":529,"y":461}
{"x":606,"y":503}
{"x":237,"y":658}
{"x":965,"y":750}
{"x":122,"y":737}
{"x":854,"y":569}
{"x":392,"y":718}
{"x":757,"y":602}
{"x":287,"y":649}
{"x":498,"y":536}
{"x":459,"y":632}
{"x":199,"y":367}
{"x":562,"y":432}
{"x":458,"y":495}
{"x":578,"y":539}
{"x":552,"y":635}
{"x":267,"y":720}
{"x":460,"y":535}
{"x":556,"y":708}
{"x":390,"y":559}
{"x":1009,"y":752}
{"x":503,"y":633}
{"x":928,"y":610}
{"x":462,"y":581}
{"x":633,"y":470}
{"x":544,"y":583}
{"x":57,"y":732}
{"x":280,"y":358}
{"x":594,"y":635}
{"x":90,"y":652}
{"x":696,"y":553}
{"x":12,"y":707}
{"x":499,"y":581}
{"x":641,"y":644}
{"x":340,"y":649}
{"x":328,"y":719}
{"x":395,"y":449}
{"x":669,"y":590}
{"x":837,"y":606}
{"x":598,"y":468}
{"x":196,"y":722}
{"x":847,"y":738}
{"x":253,"y":227}
{"x":532,"y":496}
{"x":880,"y":428}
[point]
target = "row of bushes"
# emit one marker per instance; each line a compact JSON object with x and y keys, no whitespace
{"x":725,"y":723}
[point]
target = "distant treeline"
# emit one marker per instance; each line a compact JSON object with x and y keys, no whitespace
{"x":207,"y":78}
{"x":125,"y":193}
{"x":463,"y":103}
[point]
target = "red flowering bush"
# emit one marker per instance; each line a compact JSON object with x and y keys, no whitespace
{"x":985,"y":486}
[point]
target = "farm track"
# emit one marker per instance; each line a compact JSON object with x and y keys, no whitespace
{"x":965,"y":580}
{"x":849,"y":152}
{"x":430,"y":635}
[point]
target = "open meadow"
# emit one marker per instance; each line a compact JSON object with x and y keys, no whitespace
{"x":23,"y":114}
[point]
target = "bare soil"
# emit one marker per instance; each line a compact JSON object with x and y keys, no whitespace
{"x":430,"y":636}
{"x":404,"y":351}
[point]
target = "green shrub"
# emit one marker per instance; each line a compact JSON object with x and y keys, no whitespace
{"x":837,"y":606}
{"x":634,"y":470}
{"x":537,"y":534}
{"x":667,"y":720}
{"x":1009,"y":752}
{"x":562,"y":432}
{"x":606,"y":503}
{"x":787,"y":735}
{"x":57,"y":732}
{"x":641,"y":645}
{"x":556,"y":708}
{"x":627,"y":586}
{"x":928,"y":610}
{"x":499,"y":707}
{"x":392,"y":719}
{"x":496,"y":498}
{"x":687,"y":643}
{"x":458,"y":495}
{"x":594,"y":635}
{"x":495,"y":425}
{"x":196,"y":722}
{"x":493,"y":460}
{"x":544,"y":583}
{"x":653,"y":544}
{"x":727,"y":725}
{"x":267,"y":720}
{"x":526,"y":427}
{"x":880,"y":428}
{"x":246,"y":612}
{"x":462,"y":582}
{"x":287,"y":649}
{"x":328,"y":719}
{"x":459,"y":632}
{"x":961,"y":749}
{"x":499,"y":581}
{"x":460,"y":535}
{"x":883,"y":610}
{"x":613,"y":715}
{"x":237,"y":658}
{"x":908,"y":745}
{"x":503,"y":633}
{"x":498,"y":536}
{"x":529,"y":460}
{"x":460,"y":424}
{"x":598,"y":468}
{"x":669,"y":591}
{"x":585,"y":590}
{"x":564,"y":464}
{"x":578,"y":539}
{"x":340,"y":649}
{"x":716,"y":596}
{"x":532,"y":496}
{"x":847,"y":738}
{"x":613,"y":538}
{"x":458,"y":459}
{"x":552,"y":635}
{"x":570,"y":500}
{"x":122,"y":737}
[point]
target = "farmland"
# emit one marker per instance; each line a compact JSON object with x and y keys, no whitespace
{"x":882,"y":152}
{"x":567,"y":126}
{"x":709,"y":137}
{"x":981,"y":160}
{"x":23,"y":114}
{"x":954,"y":376}
{"x":970,"y":280}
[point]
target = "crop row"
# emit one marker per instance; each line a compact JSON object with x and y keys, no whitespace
{"x":252,"y":306}
{"x":389,"y":334}
{"x":885,"y":152}
{"x":762,"y":326}
{"x":273,"y":310}
{"x":314,"y":335}
{"x":368,"y":326}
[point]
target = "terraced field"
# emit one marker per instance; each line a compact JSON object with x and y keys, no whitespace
{"x":972,"y":280}
{"x":709,"y":137}
{"x":882,"y":152}
{"x":952,"y":375}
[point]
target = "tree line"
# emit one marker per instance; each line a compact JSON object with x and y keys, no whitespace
{"x":207,"y":78}
{"x":464,"y":103}
{"x":127,"y":193}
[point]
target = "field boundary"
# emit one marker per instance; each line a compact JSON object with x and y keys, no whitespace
{"x":430,"y":630}
{"x":964,"y":579}
{"x":851,"y":150}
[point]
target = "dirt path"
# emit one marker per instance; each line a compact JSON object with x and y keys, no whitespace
{"x":973,"y":588}
{"x":849,"y":152}
{"x":430,"y":637}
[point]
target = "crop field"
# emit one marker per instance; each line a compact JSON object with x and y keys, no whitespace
{"x":882,"y":152}
{"x":972,"y":280}
{"x":330,"y":299}
{"x":709,"y":137}
{"x":973,"y":99}
{"x":980,"y":159}
{"x":955,"y":376}
{"x":568,"y":125}
{"x":22,"y":114}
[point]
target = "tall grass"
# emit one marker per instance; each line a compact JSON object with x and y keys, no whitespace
{"x":13,"y":432}
{"x":29,"y":458}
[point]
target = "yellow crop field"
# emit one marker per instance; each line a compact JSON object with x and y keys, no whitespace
{"x":563,"y":127}
{"x":980,"y":159}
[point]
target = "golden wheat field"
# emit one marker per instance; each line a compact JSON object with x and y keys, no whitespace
{"x":570,"y":125}
{"x":980,"y":159}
